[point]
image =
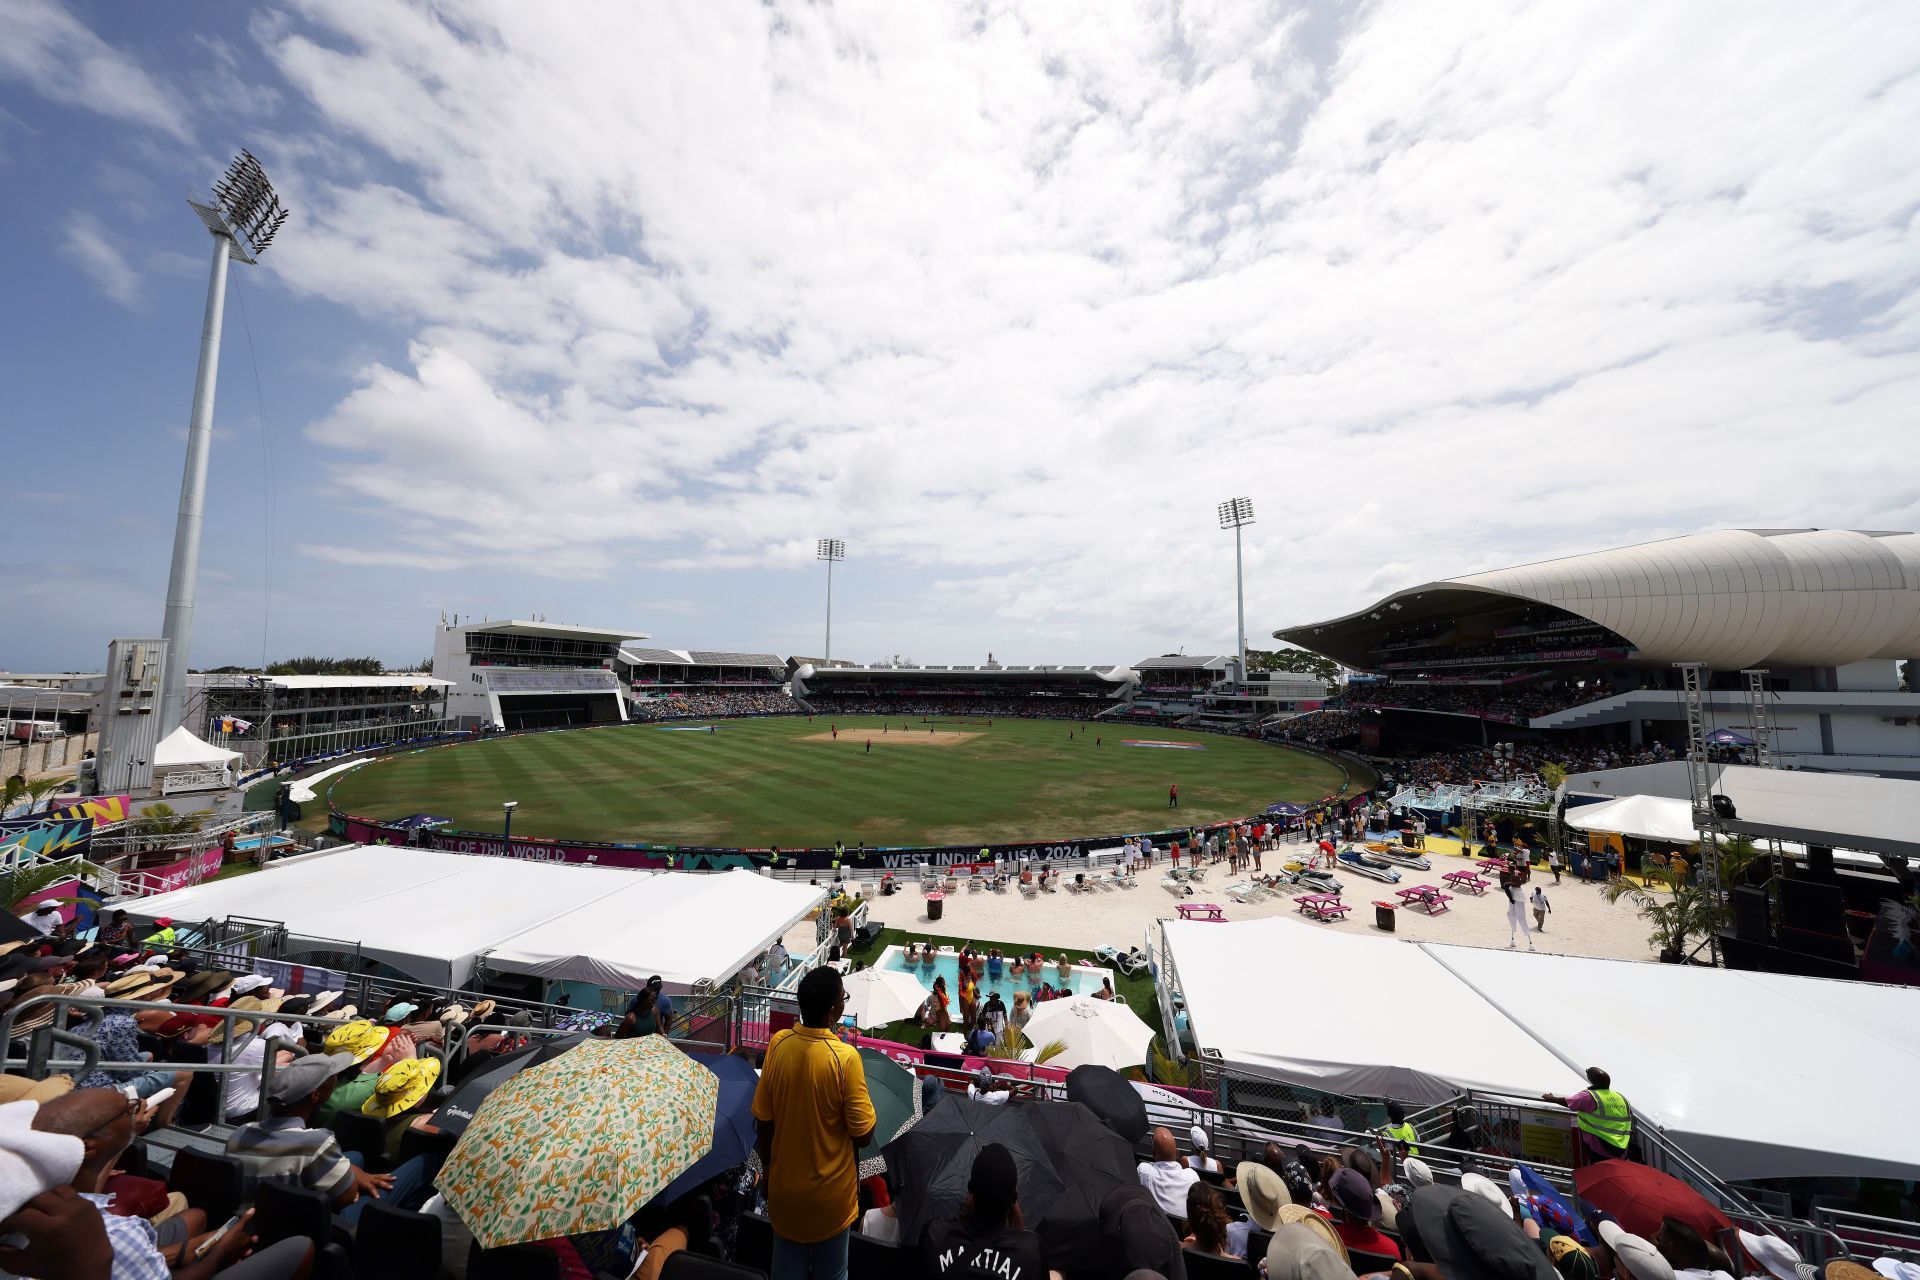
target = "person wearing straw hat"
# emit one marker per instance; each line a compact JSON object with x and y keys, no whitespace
{"x":397,"y":1091}
{"x":287,"y":1148}
{"x":373,"y":1049}
{"x":1264,"y":1194}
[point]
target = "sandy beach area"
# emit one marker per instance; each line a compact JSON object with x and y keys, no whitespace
{"x":1582,"y":923}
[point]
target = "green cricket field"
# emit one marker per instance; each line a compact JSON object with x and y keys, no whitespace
{"x":793,"y":782}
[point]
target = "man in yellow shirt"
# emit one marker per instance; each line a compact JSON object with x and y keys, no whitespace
{"x":813,"y":1113}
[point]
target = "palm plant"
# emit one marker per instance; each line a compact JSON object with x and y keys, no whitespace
{"x":156,"y":822}
{"x":1012,"y":1042}
{"x":21,"y":883}
{"x":1164,"y":1068}
{"x":1678,"y":910}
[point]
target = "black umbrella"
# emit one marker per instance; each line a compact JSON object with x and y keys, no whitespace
{"x":458,"y":1110}
{"x":930,"y":1164}
{"x":1091,"y":1160}
{"x":1109,"y":1095}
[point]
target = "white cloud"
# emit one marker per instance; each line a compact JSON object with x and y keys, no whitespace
{"x":53,"y":53}
{"x":1013,"y":297}
{"x":86,"y":243}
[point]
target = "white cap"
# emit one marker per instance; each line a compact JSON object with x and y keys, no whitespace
{"x":1636,"y":1256}
{"x":1894,"y":1269}
{"x":1418,"y":1174}
{"x":31,"y":1161}
{"x":1199,"y":1138}
{"x":1773,"y":1253}
{"x":1484,"y":1187}
{"x":252,"y":982}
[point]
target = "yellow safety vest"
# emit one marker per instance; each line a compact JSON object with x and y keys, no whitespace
{"x":1403,"y":1132}
{"x":1612,"y":1123}
{"x":163,"y":937}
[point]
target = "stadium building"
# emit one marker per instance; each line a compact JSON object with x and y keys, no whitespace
{"x":528,"y":675}
{"x":1202,"y":691}
{"x":293,"y":717}
{"x":1076,"y":692}
{"x":659,"y":673}
{"x":1586,"y":646}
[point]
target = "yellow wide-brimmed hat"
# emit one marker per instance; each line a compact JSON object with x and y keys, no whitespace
{"x":360,"y":1039}
{"x":401,"y":1086}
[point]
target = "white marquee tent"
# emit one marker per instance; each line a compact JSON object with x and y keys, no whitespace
{"x":1739,"y":1068}
{"x":431,"y":914}
{"x":1642,"y":817}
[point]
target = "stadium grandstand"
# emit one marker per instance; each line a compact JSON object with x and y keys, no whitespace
{"x":514,"y":674}
{"x":667,"y":684}
{"x":295,"y":717}
{"x":1574,"y":660}
{"x":1068,"y":692}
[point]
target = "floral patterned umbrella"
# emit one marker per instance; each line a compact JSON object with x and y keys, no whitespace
{"x":578,"y":1143}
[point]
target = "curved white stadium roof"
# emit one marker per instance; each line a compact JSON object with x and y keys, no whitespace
{"x":1734,"y":598}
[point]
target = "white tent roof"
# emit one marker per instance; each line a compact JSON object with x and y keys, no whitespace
{"x":682,"y":927}
{"x":181,"y":747}
{"x":1740,"y":1068}
{"x":1737,"y":1067}
{"x":1378,"y":1018}
{"x":431,"y":914}
{"x":1643,"y":817}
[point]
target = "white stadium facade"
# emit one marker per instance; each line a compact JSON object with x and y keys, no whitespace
{"x":1589,"y":643}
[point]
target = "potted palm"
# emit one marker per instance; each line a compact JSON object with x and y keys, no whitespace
{"x":1677,"y":910}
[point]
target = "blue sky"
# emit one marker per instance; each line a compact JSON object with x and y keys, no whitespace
{"x":609,"y":318}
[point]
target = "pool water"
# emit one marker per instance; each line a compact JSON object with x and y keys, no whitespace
{"x":1085,"y":980}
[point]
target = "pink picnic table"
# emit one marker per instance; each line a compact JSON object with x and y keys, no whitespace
{"x":1209,"y":911}
{"x":1466,"y":882}
{"x":1322,"y":906}
{"x":1425,"y":896}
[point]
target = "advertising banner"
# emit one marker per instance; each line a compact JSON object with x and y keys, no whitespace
{"x":44,"y":837}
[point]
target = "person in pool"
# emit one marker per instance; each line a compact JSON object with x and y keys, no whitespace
{"x":1016,"y":967}
{"x":993,"y":962}
{"x":1062,"y":968}
{"x":913,"y":951}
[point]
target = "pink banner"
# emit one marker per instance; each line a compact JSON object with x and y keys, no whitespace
{"x":177,"y":875}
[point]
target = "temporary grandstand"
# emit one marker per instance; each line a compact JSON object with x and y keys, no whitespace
{"x":523,"y":675}
{"x":1590,"y":642}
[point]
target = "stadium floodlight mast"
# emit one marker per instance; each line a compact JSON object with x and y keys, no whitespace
{"x":830,"y":550}
{"x":1236,"y":514}
{"x":243,"y":215}
{"x":506,"y":832}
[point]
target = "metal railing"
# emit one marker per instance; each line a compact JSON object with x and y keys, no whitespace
{"x":1869,"y":1233}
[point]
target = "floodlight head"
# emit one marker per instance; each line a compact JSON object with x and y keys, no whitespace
{"x":830,"y":549}
{"x":1236,"y":512}
{"x":244,"y":210}
{"x":509,"y":805}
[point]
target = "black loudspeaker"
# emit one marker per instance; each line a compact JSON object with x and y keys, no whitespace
{"x":1819,"y":862}
{"x":1812,"y":906}
{"x":1751,"y":920}
{"x":1723,"y":808}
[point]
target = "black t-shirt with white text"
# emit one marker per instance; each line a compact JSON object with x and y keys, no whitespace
{"x":966,"y":1248}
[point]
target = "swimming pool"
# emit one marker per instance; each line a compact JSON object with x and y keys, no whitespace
{"x":1086,"y":979}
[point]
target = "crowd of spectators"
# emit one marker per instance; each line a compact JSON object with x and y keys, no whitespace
{"x":1041,"y":707}
{"x":1512,"y":704}
{"x":1526,"y":761}
{"x":724,"y":702}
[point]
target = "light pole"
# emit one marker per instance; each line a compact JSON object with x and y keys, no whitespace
{"x":1236,"y":514}
{"x":506,"y":832}
{"x":242,"y":218}
{"x":830,"y":550}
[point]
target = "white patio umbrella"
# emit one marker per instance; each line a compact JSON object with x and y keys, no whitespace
{"x":1102,"y":1032}
{"x":879,"y":996}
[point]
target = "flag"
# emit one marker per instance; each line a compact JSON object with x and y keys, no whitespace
{"x":234,"y":724}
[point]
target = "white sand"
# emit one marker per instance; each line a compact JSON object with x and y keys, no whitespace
{"x":1582,"y":923}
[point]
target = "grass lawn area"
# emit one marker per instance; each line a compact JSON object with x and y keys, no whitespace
{"x":1140,"y":993}
{"x":788,"y":782}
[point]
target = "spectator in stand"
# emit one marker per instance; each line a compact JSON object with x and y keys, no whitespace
{"x":1166,"y":1175}
{"x":989,"y":1240}
{"x":1206,"y":1216}
{"x":1355,"y":1211}
{"x":813,"y":1114}
{"x":102,"y":1122}
{"x":1200,"y":1161}
{"x":286,"y":1148}
{"x":1139,"y":1236}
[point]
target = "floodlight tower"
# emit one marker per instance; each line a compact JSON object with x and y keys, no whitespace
{"x":1236,"y":514}
{"x":242,"y":216}
{"x":830,"y":549}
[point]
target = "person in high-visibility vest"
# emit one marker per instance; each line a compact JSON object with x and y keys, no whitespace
{"x":1603,"y":1117}
{"x":1399,"y":1131}
{"x":162,"y":935}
